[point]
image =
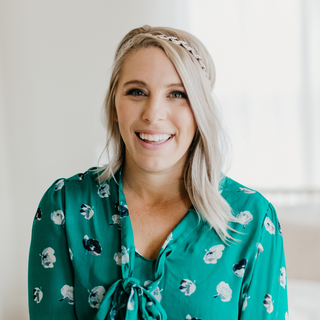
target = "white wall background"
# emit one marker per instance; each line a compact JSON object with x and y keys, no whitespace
{"x":268,"y":79}
{"x":54,"y":62}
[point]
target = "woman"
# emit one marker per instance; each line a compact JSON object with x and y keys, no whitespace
{"x":159,"y":232}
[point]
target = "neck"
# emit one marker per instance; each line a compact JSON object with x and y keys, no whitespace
{"x":154,"y":188}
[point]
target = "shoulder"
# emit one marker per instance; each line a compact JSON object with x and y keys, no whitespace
{"x":82,"y":192}
{"x":80,"y":185}
{"x":82,"y":180}
{"x":239,"y":196}
{"x":247,"y":204}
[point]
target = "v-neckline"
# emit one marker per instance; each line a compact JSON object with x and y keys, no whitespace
{"x":177,"y":236}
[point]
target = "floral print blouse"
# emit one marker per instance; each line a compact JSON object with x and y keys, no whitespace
{"x":83,"y":263}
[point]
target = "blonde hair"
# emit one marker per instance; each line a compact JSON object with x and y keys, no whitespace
{"x":203,"y":169}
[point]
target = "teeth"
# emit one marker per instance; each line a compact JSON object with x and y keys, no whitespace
{"x":154,"y":137}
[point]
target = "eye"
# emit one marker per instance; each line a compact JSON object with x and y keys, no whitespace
{"x":136,"y":92}
{"x":178,"y":95}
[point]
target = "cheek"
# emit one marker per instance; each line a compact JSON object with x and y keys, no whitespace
{"x":187,"y":122}
{"x":123,"y":117}
{"x":126,"y":119}
{"x":125,"y":123}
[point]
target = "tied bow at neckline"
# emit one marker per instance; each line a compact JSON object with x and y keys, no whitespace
{"x":127,"y":299}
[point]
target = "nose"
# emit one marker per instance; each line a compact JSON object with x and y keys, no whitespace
{"x":154,"y":109}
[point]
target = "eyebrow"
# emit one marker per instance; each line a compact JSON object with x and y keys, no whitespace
{"x":142,"y":83}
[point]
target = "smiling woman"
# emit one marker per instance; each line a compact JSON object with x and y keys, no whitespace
{"x":159,"y":232}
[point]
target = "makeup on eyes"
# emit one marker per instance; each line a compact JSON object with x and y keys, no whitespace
{"x":133,"y":92}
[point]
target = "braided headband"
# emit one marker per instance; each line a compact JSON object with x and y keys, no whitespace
{"x":187,"y":47}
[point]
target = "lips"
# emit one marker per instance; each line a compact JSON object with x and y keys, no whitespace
{"x":152,"y":138}
{"x":142,"y":137}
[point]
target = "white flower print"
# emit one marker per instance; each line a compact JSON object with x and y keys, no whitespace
{"x":157,"y":294}
{"x":131,"y":300}
{"x":244,"y":218}
{"x":246,"y":190}
{"x":48,"y":258}
{"x":37,"y":295}
{"x":239,"y":268}
{"x":86,"y":211}
{"x":140,"y":291}
{"x":269,"y":225}
{"x":113,"y":311}
{"x":58,"y":217}
{"x":146,"y":283}
{"x":286,"y":316}
{"x":104,"y":190}
{"x":268,"y":303}
{"x":38,"y":214}
{"x":122,"y":209}
{"x":81,"y":175}
{"x":121,"y":257}
{"x":224,"y":292}
{"x":283,"y":277}
{"x":213,"y":254}
{"x":95,"y":296}
{"x":188,"y":317}
{"x":244,"y":301}
{"x":70,"y":254}
{"x":187,"y":287}
{"x":169,"y":238}
{"x":116,"y":219}
{"x":67,"y":292}
{"x":92,"y":246}
{"x":59,"y":185}
{"x":260,"y":249}
{"x":279,"y":228}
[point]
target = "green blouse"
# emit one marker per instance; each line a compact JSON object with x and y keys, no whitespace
{"x":83,"y":263}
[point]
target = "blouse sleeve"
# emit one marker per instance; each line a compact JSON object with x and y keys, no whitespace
{"x":50,"y":277}
{"x":266,"y":295}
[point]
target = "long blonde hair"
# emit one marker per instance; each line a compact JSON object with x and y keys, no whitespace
{"x":203,"y":169}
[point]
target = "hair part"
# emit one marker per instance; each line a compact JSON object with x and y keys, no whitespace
{"x":203,"y":171}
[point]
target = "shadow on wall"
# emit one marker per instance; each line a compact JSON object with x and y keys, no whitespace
{"x":299,"y":216}
{"x":302,"y":248}
{"x":301,"y":230}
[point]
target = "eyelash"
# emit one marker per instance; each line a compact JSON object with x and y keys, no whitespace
{"x":133,"y":91}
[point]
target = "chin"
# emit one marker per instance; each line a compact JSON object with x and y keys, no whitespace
{"x":156,"y":164}
{"x":155,"y":167}
{"x":162,"y":166}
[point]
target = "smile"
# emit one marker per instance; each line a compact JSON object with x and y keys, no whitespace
{"x":154,"y":139}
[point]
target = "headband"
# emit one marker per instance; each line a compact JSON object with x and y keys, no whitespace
{"x":187,"y":47}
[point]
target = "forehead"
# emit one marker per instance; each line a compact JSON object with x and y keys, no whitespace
{"x":149,"y":64}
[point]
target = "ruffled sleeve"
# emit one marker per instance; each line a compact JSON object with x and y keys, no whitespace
{"x":266,"y":295}
{"x":50,"y":277}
